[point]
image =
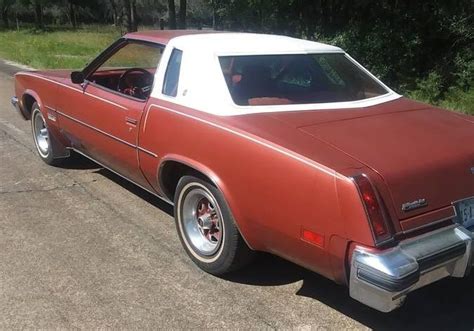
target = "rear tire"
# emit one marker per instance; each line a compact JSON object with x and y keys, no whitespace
{"x":207,"y":229}
{"x":45,"y":143}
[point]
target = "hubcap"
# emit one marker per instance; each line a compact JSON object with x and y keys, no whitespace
{"x":202,"y":221}
{"x":41,"y":135}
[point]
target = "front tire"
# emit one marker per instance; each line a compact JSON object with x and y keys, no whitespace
{"x":207,"y":229}
{"x":45,"y":143}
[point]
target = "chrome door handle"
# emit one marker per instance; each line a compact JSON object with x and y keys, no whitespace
{"x":131,"y":121}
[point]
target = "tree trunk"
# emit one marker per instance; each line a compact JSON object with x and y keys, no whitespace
{"x":127,"y":8}
{"x":115,"y":15}
{"x":133,"y":16}
{"x":214,"y":13}
{"x":72,"y":15}
{"x":171,"y":15}
{"x":39,"y":15}
{"x":182,"y":14}
{"x":5,"y":17}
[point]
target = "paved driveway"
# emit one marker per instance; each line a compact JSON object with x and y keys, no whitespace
{"x":80,"y":247}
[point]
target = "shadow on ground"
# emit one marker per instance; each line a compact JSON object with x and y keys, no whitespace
{"x":78,"y":162}
{"x":447,"y":304}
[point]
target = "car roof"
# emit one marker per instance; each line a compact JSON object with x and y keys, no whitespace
{"x":232,"y":43}
{"x":163,"y":36}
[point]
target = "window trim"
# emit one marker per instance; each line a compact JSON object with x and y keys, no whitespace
{"x":107,"y":54}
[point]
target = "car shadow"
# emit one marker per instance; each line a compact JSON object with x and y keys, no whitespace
{"x":447,"y":304}
{"x":134,"y":189}
{"x":78,"y":162}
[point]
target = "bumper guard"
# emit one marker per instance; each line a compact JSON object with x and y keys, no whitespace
{"x":382,"y":279}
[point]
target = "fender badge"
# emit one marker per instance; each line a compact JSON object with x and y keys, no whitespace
{"x":407,"y":206}
{"x":472,"y":170}
{"x":51,"y":117}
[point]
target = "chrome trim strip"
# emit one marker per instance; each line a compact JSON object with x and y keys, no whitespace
{"x":98,"y":130}
{"x":455,"y":202}
{"x":108,"y":134}
{"x":131,"y":121}
{"x":431,"y":223}
{"x":147,"y":151}
{"x":269,"y":145}
{"x":50,"y":108}
{"x":122,"y":176}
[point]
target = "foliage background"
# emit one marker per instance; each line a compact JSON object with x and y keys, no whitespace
{"x":420,"y":48}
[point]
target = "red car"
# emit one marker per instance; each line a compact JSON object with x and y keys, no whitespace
{"x":269,"y":143}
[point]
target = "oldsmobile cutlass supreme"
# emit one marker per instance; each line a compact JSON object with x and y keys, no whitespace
{"x":268,"y":143}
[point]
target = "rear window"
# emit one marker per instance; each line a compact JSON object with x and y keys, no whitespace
{"x":296,"y":79}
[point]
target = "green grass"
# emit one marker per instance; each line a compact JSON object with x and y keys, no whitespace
{"x":56,"y":49}
{"x":454,"y":99}
{"x":459,"y":100}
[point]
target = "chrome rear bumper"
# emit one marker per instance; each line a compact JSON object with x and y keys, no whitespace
{"x":382,"y":279}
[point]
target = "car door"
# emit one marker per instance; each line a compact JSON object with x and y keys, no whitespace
{"x":102,"y":119}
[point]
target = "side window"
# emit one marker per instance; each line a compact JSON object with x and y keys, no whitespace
{"x":133,"y":55}
{"x":130,"y":70}
{"x":171,"y":80}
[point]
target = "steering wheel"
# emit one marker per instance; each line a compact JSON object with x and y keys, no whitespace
{"x":127,"y":87}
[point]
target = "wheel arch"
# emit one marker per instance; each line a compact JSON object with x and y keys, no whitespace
{"x":28,"y":98}
{"x":173,"y":167}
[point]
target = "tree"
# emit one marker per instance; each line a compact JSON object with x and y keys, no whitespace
{"x":171,"y":14}
{"x":5,"y":6}
{"x":182,"y":14}
{"x":38,"y":4}
{"x":72,"y":14}
{"x":129,"y":7}
{"x":114,"y":5}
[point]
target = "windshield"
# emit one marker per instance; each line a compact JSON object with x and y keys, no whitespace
{"x":296,"y":79}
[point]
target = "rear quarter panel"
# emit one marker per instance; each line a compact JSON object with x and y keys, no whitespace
{"x":272,"y":195}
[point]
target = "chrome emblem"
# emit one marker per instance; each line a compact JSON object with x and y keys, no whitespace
{"x":472,"y":170}
{"x":407,"y":206}
{"x":51,"y":117}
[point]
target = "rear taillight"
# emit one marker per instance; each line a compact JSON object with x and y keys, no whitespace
{"x":374,"y":209}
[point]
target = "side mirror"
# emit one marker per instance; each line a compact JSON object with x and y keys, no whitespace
{"x":77,"y":77}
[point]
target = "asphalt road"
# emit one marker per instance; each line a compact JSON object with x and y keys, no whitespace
{"x":82,"y":248}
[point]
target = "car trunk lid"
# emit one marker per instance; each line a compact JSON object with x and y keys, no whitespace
{"x":424,"y":156}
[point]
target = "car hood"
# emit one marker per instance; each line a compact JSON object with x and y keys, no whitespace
{"x":55,"y":74}
{"x":421,"y":153}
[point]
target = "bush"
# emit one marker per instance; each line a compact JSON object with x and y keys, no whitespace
{"x":459,"y":100}
{"x":428,"y":90}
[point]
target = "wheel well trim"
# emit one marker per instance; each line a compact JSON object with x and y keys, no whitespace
{"x":196,"y":166}
{"x":36,"y":97}
{"x":209,"y":174}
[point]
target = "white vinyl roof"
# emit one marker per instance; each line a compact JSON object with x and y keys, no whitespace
{"x":201,"y":82}
{"x":249,"y":44}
